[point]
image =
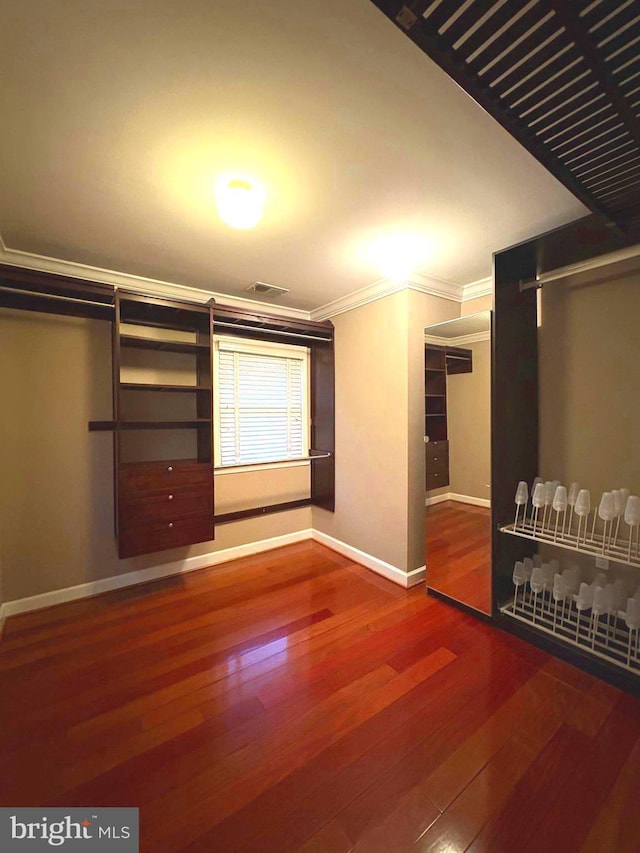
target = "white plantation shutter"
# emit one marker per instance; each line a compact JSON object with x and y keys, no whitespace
{"x":262,"y":404}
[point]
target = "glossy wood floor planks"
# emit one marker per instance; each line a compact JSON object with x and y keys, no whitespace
{"x":293,"y":701}
{"x":458,"y":552}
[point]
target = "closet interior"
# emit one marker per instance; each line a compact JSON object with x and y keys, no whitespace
{"x":164,"y":402}
{"x":566,"y":567}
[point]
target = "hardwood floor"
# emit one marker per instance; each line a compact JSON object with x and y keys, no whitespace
{"x":294,"y":701}
{"x":458,"y":552}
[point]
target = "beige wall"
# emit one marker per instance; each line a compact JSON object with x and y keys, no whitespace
{"x":1,"y":590}
{"x":371,"y":430}
{"x":380,"y":456}
{"x":469,"y":426}
{"x":473,"y":306}
{"x":589,"y":361}
{"x":56,"y":495}
{"x":56,"y":490}
{"x":257,"y":488}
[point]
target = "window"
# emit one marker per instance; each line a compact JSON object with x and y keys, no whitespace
{"x":261,"y":402}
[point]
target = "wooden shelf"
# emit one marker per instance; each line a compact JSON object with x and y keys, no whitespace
{"x":140,"y":342}
{"x":105,"y":426}
{"x":435,"y":405}
{"x":145,"y":386}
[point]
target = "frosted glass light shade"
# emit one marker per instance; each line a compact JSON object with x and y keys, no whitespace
{"x":599,"y":605}
{"x":519,"y":573}
{"x":560,"y":590}
{"x":632,"y":510}
{"x":537,"y":579}
{"x":549,"y":491}
{"x":539,"y":494}
{"x":560,"y":499}
{"x":583,"y":502}
{"x":522,"y":493}
{"x":584,"y":597}
{"x":618,"y":502}
{"x":607,"y":508}
{"x":240,"y":202}
{"x":632,"y":614}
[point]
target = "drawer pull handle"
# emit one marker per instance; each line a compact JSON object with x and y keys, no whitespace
{"x":170,"y":468}
{"x":435,"y":458}
{"x":170,"y":497}
{"x":171,"y":524}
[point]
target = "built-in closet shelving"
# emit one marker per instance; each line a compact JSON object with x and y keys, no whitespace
{"x":440,"y":361}
{"x":601,"y":645}
{"x":167,"y":500}
{"x":162,"y":423}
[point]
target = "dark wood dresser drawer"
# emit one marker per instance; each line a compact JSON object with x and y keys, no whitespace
{"x":437,"y":480}
{"x":158,"y":507}
{"x":147,"y":538}
{"x":144,"y":478}
{"x":437,"y":450}
{"x":438,"y":465}
{"x":164,"y":505}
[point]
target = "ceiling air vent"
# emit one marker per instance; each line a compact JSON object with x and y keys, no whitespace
{"x":270,"y":291}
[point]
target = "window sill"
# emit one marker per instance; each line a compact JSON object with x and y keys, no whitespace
{"x":262,"y":466}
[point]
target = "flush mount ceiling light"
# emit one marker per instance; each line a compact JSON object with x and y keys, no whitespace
{"x":240,"y":201}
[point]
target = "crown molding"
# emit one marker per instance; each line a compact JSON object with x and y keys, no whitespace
{"x":476,"y":289}
{"x":148,"y":286}
{"x":418,"y":282}
{"x":371,"y":293}
{"x":433,"y":286}
{"x":461,"y":340}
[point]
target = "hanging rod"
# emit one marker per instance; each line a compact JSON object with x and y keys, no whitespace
{"x":36,"y":294}
{"x":262,"y":330}
{"x":239,"y":515}
{"x":627,"y":254}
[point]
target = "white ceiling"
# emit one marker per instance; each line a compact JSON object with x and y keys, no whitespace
{"x":118,"y":116}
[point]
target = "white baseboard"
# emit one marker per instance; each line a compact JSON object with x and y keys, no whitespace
{"x":392,"y":573}
{"x":438,"y":499}
{"x":416,"y":576}
{"x":453,"y":496}
{"x":192,"y":564}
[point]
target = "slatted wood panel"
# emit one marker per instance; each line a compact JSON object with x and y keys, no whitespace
{"x":562,"y":76}
{"x":296,"y":701}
